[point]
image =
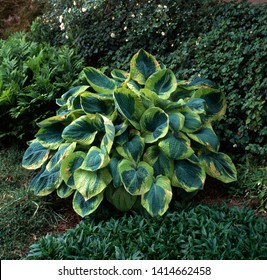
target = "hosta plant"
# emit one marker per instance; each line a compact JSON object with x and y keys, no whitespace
{"x":135,"y":137}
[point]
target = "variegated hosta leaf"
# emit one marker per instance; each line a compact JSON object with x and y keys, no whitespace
{"x":95,"y":159}
{"x":161,"y":164}
{"x":99,"y":81}
{"x":156,"y":200}
{"x":83,"y":130}
{"x":136,"y":178}
{"x":154,"y":124}
{"x":120,"y":198}
{"x":63,"y":191}
{"x":69,"y":165}
{"x":63,"y":151}
{"x":90,"y":183}
{"x":92,"y":103}
{"x":192,"y":121}
{"x":108,"y":138}
{"x":50,"y":136}
{"x":133,"y":86}
{"x":181,"y":92}
{"x":119,"y":75}
{"x":45,"y":182}
{"x":163,"y":83}
{"x":121,"y":128}
{"x":219,"y":166}
{"x":143,"y":65}
{"x":75,"y":91}
{"x":133,"y":148}
{"x":176,"y":121}
{"x":176,"y":146}
{"x":207,"y":137}
{"x":113,"y":168}
{"x":84,"y":207}
{"x":197,"y":105}
{"x":35,"y":156}
{"x":52,"y":120}
{"x":130,"y":105}
{"x":188,"y":175}
{"x":215,"y":100}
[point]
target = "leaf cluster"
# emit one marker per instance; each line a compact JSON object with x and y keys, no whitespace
{"x":208,"y":233}
{"x":32,"y":75}
{"x":131,"y":137}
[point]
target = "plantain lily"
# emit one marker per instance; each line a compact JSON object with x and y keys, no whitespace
{"x":137,"y":136}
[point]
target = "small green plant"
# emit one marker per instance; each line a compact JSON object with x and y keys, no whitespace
{"x":32,"y":76}
{"x":130,"y":138}
{"x":206,"y":233}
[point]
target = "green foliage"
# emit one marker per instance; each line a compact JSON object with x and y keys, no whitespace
{"x":24,"y":217}
{"x":251,"y":185}
{"x":208,"y":233}
{"x":32,"y":75}
{"x":224,"y":42}
{"x":129,"y":138}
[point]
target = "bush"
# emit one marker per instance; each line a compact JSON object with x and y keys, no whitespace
{"x":224,"y":42}
{"x":32,"y":75}
{"x":251,"y":185}
{"x":197,"y":232}
{"x":131,"y":137}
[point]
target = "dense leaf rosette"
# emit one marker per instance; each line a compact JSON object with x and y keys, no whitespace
{"x":131,"y":138}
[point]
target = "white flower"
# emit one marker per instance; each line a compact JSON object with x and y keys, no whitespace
{"x":163,"y":33}
{"x":60,"y":18}
{"x":112,"y":35}
{"x":84,"y":10}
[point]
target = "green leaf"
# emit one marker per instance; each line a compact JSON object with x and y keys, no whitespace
{"x":63,"y":151}
{"x":133,"y":148}
{"x":219,"y":166}
{"x":143,"y":65}
{"x":83,"y":130}
{"x":188,"y":175}
{"x":192,"y":121}
{"x":68,"y":166}
{"x":176,"y":146}
{"x":119,"y":75}
{"x":176,"y":121}
{"x":45,"y":182}
{"x":130,"y":105}
{"x":156,"y":200}
{"x":154,"y":124}
{"x":113,"y":168}
{"x":108,"y":138}
{"x":90,"y":183}
{"x":52,"y":120}
{"x":215,"y":102}
{"x":197,"y":105}
{"x":99,"y":81}
{"x":50,"y":136}
{"x":75,"y":91}
{"x":95,"y":159}
{"x":120,"y":198}
{"x":207,"y":137}
{"x":92,"y":103}
{"x":63,"y":191}
{"x":163,"y":83}
{"x":35,"y":156}
{"x":136,"y":178}
{"x":161,"y":164}
{"x":84,"y":207}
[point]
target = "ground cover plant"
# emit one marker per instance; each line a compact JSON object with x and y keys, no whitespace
{"x":131,"y":137}
{"x":32,"y":75}
{"x":207,"y":233}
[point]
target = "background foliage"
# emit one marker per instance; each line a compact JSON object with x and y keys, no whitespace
{"x":225,"y":42}
{"x":32,"y":75}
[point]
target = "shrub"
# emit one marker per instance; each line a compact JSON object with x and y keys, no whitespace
{"x":131,"y":137}
{"x":32,"y":75}
{"x":197,"y":232}
{"x":251,"y":185}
